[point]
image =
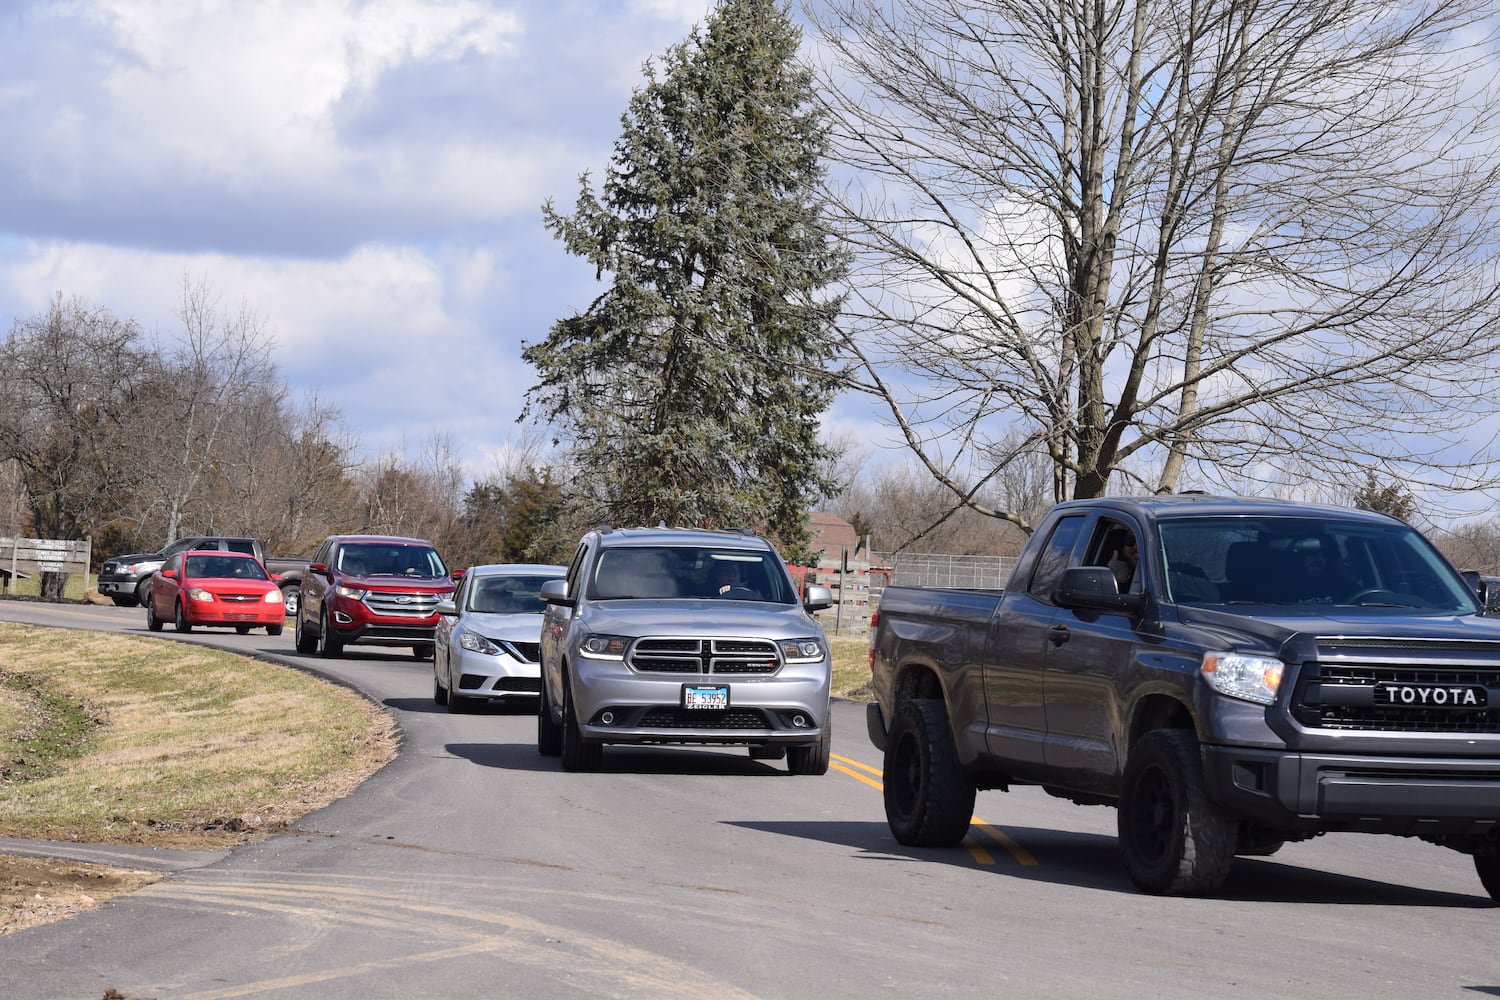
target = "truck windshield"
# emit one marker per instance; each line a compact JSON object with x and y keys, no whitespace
{"x":640,"y":571}
{"x":1308,"y":562}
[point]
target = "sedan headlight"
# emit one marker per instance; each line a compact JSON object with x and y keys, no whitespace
{"x":474,"y":642}
{"x":353,"y":593}
{"x":199,"y":594}
{"x":1251,"y":678}
{"x":274,"y":597}
{"x":604,"y":647}
{"x":801,"y":650}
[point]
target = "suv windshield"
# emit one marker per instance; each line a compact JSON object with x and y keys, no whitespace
{"x":625,"y":572}
{"x":1303,"y":561}
{"x":379,"y":559}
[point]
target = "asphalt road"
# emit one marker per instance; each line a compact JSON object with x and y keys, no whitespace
{"x":472,"y":867}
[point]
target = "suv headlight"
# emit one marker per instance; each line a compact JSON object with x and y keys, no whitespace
{"x":1251,"y":678}
{"x":353,"y":593}
{"x":476,"y":643}
{"x":604,"y":647}
{"x":801,"y":650}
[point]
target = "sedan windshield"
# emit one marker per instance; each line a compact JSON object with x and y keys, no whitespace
{"x":1308,"y":562}
{"x":507,"y":594}
{"x":224,"y":567}
{"x":626,"y":572}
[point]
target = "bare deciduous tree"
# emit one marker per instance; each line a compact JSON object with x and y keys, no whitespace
{"x":1165,"y":241}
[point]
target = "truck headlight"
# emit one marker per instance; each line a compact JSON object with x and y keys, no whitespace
{"x":801,"y":650}
{"x":476,"y":643}
{"x":1251,"y":678}
{"x":604,"y":647}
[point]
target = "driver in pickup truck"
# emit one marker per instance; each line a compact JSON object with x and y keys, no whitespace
{"x":1124,"y":553}
{"x":1321,"y":580}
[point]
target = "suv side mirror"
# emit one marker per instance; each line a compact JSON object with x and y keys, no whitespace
{"x":1094,"y":588}
{"x":556,"y":592}
{"x":818,"y":598}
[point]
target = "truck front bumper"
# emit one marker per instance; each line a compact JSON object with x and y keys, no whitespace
{"x":1373,"y":794}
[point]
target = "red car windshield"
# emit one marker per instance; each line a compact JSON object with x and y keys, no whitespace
{"x":222,"y":567}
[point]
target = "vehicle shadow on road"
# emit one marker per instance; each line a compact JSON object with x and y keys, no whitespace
{"x":1091,"y":861}
{"x":620,"y":760}
{"x":426,"y":706}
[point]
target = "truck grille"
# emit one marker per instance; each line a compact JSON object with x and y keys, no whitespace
{"x":414,"y":605}
{"x":1358,"y":696}
{"x":673,"y":655}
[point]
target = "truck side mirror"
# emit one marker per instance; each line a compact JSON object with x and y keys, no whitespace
{"x":556,"y":592}
{"x":1094,"y":588}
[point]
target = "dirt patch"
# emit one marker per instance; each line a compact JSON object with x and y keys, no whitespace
{"x":40,"y":890}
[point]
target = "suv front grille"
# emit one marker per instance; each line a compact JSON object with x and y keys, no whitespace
{"x":1347,"y":696}
{"x":675,"y":655}
{"x":410,"y":604}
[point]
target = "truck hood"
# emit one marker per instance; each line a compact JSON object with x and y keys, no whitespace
{"x":691,"y":616}
{"x":1294,"y":635}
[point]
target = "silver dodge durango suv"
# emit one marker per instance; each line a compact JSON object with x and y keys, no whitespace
{"x":679,"y":636}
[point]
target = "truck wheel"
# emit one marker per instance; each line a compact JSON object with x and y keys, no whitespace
{"x":928,"y":798}
{"x":812,"y":758}
{"x":305,"y":643}
{"x":1175,"y":840}
{"x":548,"y":732}
{"x":179,"y":619}
{"x":290,"y":597}
{"x":1488,"y":869}
{"x":143,"y":591}
{"x":578,"y":754}
{"x":152,"y":622}
{"x":328,"y":644}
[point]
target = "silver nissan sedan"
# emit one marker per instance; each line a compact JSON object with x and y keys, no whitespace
{"x":488,"y":635}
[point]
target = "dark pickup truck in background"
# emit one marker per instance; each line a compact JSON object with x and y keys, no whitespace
{"x":124,"y":579}
{"x":1268,"y":672}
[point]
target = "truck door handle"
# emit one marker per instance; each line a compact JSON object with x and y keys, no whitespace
{"x":1058,"y":635}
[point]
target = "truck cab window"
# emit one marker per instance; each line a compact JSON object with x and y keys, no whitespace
{"x":1056,"y":557}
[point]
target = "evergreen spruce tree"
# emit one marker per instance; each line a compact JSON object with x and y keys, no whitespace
{"x":691,"y":389}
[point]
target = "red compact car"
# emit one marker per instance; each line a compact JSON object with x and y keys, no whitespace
{"x":228,"y":589}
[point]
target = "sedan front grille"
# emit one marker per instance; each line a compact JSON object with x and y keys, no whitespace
{"x":678,"y":655}
{"x":410,"y":604}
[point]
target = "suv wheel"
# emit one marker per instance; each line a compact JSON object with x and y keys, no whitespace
{"x":578,"y":754}
{"x":329,"y":644}
{"x":306,"y":643}
{"x":548,"y":732}
{"x":813,"y":758}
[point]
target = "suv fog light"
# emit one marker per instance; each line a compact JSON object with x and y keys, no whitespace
{"x":608,"y":718}
{"x":799,"y":721}
{"x":342,"y":618}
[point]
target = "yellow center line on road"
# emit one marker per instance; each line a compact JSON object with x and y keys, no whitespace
{"x":860,"y":772}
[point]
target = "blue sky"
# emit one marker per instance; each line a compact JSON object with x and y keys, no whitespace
{"x":367,"y":176}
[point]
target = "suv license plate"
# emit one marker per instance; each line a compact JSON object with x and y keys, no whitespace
{"x":698,"y":696}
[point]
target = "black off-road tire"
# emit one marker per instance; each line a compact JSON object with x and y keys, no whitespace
{"x":578,"y":754}
{"x":1487,"y":867}
{"x":929,"y":800}
{"x":1175,"y":840}
{"x":152,"y":622}
{"x":305,"y":643}
{"x":179,"y":619}
{"x":812,"y":758}
{"x":548,"y":732}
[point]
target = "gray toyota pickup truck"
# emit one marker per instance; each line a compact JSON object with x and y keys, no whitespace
{"x":677,"y":636}
{"x":1230,"y":674}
